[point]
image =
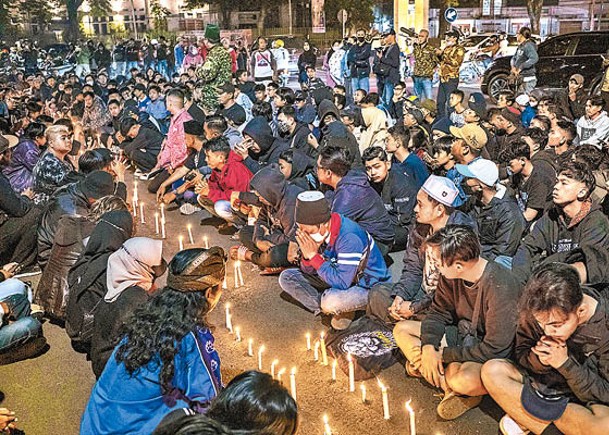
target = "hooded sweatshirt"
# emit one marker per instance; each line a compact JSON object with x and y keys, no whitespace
{"x":337,"y":133}
{"x":274,"y":188}
{"x":234,"y":177}
{"x":357,"y":200}
{"x":303,"y":171}
{"x":270,"y":147}
{"x":593,"y":132}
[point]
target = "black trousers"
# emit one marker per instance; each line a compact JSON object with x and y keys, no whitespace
{"x":277,"y":256}
{"x":143,"y":160}
{"x":401,"y":239}
{"x":156,"y":182}
{"x":19,"y":238}
{"x":444,"y":91}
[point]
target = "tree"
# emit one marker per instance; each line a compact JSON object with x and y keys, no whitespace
{"x":534,"y":10}
{"x":159,"y":15}
{"x":360,"y":12}
{"x":225,"y":7}
{"x":98,"y":7}
{"x":39,"y":12}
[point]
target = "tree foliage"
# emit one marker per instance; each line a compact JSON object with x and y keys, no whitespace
{"x":360,"y":12}
{"x":159,"y":15}
{"x":534,"y":11}
{"x":225,"y":7}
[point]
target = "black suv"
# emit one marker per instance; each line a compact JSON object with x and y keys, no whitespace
{"x":559,"y":58}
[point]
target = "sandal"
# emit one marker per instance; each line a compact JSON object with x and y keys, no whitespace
{"x":269,"y":271}
{"x":238,"y":252}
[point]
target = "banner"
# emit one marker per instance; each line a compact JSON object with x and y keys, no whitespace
{"x":318,"y":16}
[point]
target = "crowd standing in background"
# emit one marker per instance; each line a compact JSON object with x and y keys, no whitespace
{"x":500,"y":211}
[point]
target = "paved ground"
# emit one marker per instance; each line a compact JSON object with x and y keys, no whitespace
{"x":49,"y":393}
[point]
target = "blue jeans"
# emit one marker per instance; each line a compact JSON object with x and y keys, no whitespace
{"x":17,"y":296}
{"x":132,"y":64}
{"x":387,"y":93}
{"x":422,"y":87}
{"x":317,"y":296}
{"x":360,"y":83}
{"x":221,"y":209}
{"x":163,"y":68}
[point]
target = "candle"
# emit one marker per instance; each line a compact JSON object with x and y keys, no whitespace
{"x":316,"y":351}
{"x":181,"y":242}
{"x":334,"y":365}
{"x":224,"y":284}
{"x":280,"y":374}
{"x":260,"y":352}
{"x":413,"y":428}
{"x":235,"y":275}
{"x":189,"y":228}
{"x":327,"y":429}
{"x":273,"y":364}
{"x":134,"y":207}
{"x":363,"y":388}
{"x":351,"y":373}
{"x":142,"y":218}
{"x":324,"y":352}
{"x":308,"y":337}
{"x":293,"y":382}
{"x":237,"y":333}
{"x":163,"y":211}
{"x":241,"y":283}
{"x":250,"y":348}
{"x":163,"y":235}
{"x":156,"y":222}
{"x":205,"y":242}
{"x":386,"y":415}
{"x":135,"y":196}
{"x":229,"y":322}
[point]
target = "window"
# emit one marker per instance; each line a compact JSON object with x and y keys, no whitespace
{"x":592,"y":44}
{"x":555,"y":47}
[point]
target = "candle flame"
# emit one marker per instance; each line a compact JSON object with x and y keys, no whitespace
{"x":227,"y":305}
{"x":381,"y":385}
{"x":261,"y":349}
{"x":325,"y":419}
{"x":156,"y":214}
{"x":189,"y":226}
{"x":349,"y":357}
{"x":408,"y":407}
{"x":275,"y":361}
{"x":293,"y":371}
{"x":308,"y":335}
{"x":282,"y":371}
{"x":362,"y":387}
{"x":322,"y":335}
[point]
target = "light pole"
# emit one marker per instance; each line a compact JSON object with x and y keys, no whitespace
{"x":290,"y":15}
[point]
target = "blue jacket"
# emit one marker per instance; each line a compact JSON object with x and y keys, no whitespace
{"x":413,"y":167}
{"x":337,"y":265}
{"x":158,"y":109}
{"x":357,"y":200}
{"x":121,"y":403}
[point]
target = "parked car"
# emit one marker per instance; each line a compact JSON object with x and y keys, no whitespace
{"x":478,"y":41}
{"x":559,"y":58}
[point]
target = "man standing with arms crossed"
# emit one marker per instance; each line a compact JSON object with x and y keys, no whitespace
{"x":451,"y":58}
{"x":425,"y":62}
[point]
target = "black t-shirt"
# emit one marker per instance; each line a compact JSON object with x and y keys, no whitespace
{"x":195,"y":160}
{"x":235,"y":114}
{"x":196,"y":113}
{"x":536,"y":191}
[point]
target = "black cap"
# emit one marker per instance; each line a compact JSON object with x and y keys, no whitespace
{"x":312,"y":208}
{"x":229,"y":88}
{"x":389,"y":32}
{"x":194,"y":128}
{"x":97,"y":184}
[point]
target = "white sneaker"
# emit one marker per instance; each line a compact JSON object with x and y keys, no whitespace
{"x":508,"y":426}
{"x":188,"y":209}
{"x":144,"y":176}
{"x":137,"y":173}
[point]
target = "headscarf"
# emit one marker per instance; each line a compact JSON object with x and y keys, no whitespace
{"x":132,"y":265}
{"x":376,"y":127}
{"x":203,"y":271}
{"x":109,"y":234}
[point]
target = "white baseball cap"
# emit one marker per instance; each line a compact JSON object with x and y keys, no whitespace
{"x":441,"y":189}
{"x":483,"y":170}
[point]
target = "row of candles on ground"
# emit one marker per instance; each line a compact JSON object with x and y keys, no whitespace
{"x":318,"y":345}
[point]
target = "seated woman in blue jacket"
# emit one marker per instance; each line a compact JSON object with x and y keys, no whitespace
{"x":166,"y":359}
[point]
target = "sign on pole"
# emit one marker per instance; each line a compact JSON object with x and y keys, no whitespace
{"x":450,"y":15}
{"x":342,"y":18}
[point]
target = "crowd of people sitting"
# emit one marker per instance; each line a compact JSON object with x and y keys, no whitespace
{"x":500,"y":212}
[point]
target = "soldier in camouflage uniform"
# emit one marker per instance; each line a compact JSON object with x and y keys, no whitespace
{"x":216,"y":70}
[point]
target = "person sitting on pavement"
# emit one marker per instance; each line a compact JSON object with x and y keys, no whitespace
{"x":228,"y":175}
{"x":339,"y":262}
{"x":411,"y":295}
{"x":165,"y":358}
{"x":593,"y":127}
{"x":144,"y":145}
{"x":259,"y":147}
{"x":334,"y":132}
{"x":20,"y":332}
{"x":500,"y":222}
{"x":353,"y":197}
{"x":299,"y":169}
{"x":445,"y":166}
{"x":476,"y":297}
{"x":266,"y":242}
{"x":558,"y":381}
{"x":572,"y":99}
{"x":25,"y":156}
{"x":397,"y":192}
{"x":403,"y":160}
{"x":294,"y":132}
{"x":571,"y":223}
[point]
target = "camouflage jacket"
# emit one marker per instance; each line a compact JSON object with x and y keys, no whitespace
{"x":216,"y":71}
{"x":450,"y":62}
{"x":425,"y":60}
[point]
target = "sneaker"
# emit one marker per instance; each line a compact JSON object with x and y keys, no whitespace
{"x":188,"y":209}
{"x":137,"y":172}
{"x":342,"y":321}
{"x":508,"y":426}
{"x":145,"y":176}
{"x":453,"y":406}
{"x":30,"y":349}
{"x":269,"y":271}
{"x":36,"y":311}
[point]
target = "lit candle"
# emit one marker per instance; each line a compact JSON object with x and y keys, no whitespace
{"x":142,"y":218}
{"x":189,"y":228}
{"x":205,"y":242}
{"x":334,"y":365}
{"x":351,"y":373}
{"x":181,"y":242}
{"x":241,"y":282}
{"x":386,"y":415}
{"x":327,"y":429}
{"x":293,"y":382}
{"x":308,"y":337}
{"x":273,"y":364}
{"x":413,"y":427}
{"x":280,"y":374}
{"x":260,"y":352}
{"x":236,"y":276}
{"x":135,"y":196}
{"x":316,"y":351}
{"x":156,"y":222}
{"x":229,"y":322}
{"x":163,"y":235}
{"x":162,"y":211}
{"x":324,"y":352}
{"x":134,"y":207}
{"x":363,"y":388}
{"x":250,"y":347}
{"x":237,"y":333}
{"x":224,"y":284}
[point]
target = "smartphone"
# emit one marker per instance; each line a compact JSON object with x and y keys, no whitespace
{"x":190,"y":176}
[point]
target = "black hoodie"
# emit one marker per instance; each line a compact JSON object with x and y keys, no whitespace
{"x":303,"y":171}
{"x":272,"y":186}
{"x":270,"y":147}
{"x":337,"y":133}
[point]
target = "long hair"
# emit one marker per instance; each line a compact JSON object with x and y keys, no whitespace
{"x":155,"y":330}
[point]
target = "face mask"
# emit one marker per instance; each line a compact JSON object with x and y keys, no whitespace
{"x":283,"y":127}
{"x":90,"y":82}
{"x":361,"y":38}
{"x":318,"y":237}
